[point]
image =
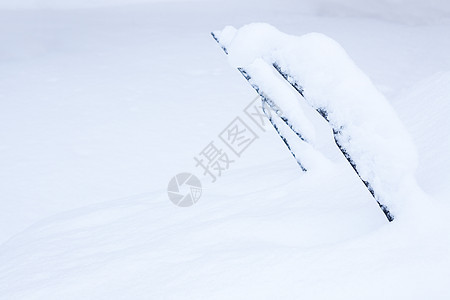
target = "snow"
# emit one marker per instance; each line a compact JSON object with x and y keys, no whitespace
{"x":101,"y":107}
{"x":369,"y":129}
{"x":429,"y":108}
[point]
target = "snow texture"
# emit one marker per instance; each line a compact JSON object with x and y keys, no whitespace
{"x":101,"y":105}
{"x":367,"y":127}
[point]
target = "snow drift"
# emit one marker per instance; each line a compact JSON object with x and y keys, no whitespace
{"x":365,"y":125}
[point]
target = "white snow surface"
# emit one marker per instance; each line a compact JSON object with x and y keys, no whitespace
{"x":370,"y":131}
{"x":101,"y":106}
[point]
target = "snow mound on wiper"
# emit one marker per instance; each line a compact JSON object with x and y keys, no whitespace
{"x":365,"y":126}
